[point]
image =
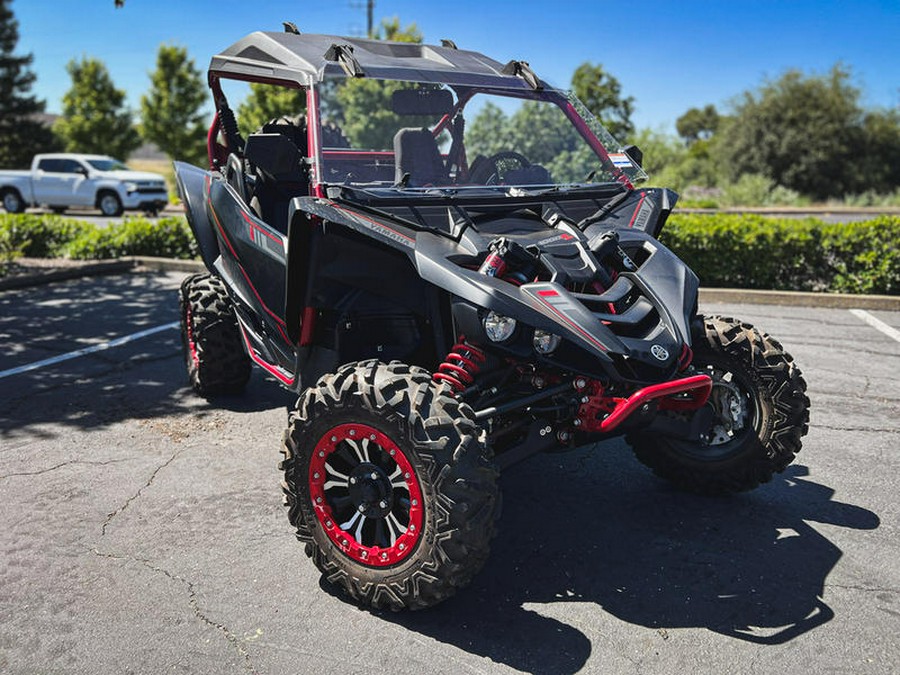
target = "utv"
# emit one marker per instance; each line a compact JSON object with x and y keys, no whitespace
{"x":449,"y":293}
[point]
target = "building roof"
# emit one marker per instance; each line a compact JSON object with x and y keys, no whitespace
{"x":306,"y":58}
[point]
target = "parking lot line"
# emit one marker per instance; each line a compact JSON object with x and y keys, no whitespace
{"x":88,"y":350}
{"x":876,"y":323}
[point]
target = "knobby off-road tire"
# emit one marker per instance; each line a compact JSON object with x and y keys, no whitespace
{"x":385,"y":440}
{"x":214,"y":355}
{"x":760,"y":412}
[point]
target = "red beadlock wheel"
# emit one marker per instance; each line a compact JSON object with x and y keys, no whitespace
{"x":366,"y":495}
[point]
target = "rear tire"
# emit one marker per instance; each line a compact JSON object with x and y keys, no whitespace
{"x":214,"y":353}
{"x":389,"y":486}
{"x":13,"y":202}
{"x":759,"y":412}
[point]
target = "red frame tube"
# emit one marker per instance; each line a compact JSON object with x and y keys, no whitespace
{"x":698,"y":385}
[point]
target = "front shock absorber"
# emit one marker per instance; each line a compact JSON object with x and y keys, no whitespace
{"x":460,"y":366}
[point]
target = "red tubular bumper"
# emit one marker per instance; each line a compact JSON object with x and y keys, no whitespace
{"x":698,"y":386}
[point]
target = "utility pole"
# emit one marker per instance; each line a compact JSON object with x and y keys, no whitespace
{"x":370,"y":10}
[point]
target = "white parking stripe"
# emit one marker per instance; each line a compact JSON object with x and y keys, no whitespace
{"x":877,"y":324}
{"x":89,"y":350}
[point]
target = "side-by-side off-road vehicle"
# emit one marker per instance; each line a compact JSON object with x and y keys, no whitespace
{"x":455,"y":267}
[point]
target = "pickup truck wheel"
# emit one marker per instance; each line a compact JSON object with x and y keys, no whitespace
{"x":109,"y":203}
{"x":13,"y":202}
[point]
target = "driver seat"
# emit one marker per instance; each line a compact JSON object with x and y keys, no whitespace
{"x":416,"y":153}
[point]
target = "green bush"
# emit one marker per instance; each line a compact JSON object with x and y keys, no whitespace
{"x":752,"y":251}
{"x":725,"y":250}
{"x":166,"y":238}
{"x":39,"y":236}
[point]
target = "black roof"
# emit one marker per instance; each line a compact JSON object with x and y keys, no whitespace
{"x":306,"y":58}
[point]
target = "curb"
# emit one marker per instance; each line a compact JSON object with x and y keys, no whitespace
{"x":102,"y":268}
{"x":889,"y":303}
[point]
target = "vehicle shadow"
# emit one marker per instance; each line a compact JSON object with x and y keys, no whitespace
{"x":599,"y":528}
{"x":143,"y":379}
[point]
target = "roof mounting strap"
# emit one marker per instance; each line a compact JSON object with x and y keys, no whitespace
{"x":523,"y":70}
{"x":343,"y":54}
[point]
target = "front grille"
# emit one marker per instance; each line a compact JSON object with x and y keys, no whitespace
{"x":623,"y":308}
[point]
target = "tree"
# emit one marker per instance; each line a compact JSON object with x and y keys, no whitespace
{"x":94,"y":117}
{"x":881,"y":150}
{"x":21,"y":135}
{"x":602,"y":94}
{"x":171,"y":114}
{"x":803,"y":132}
{"x":698,"y":124}
{"x":267,"y":102}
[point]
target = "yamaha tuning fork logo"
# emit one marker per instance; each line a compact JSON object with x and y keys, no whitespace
{"x":659,"y":352}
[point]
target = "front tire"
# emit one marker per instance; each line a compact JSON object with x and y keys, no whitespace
{"x":214,"y":354}
{"x":389,"y":486}
{"x":13,"y":202}
{"x":755,"y":417}
{"x":109,"y":204}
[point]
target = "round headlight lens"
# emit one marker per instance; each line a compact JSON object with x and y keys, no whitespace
{"x":544,"y":342}
{"x":498,"y":327}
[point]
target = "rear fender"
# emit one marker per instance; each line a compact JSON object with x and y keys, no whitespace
{"x":192,"y":188}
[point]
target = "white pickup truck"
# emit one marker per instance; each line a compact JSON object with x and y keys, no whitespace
{"x":64,"y":180}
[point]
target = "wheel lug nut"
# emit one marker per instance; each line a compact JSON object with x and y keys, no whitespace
{"x":402,"y":547}
{"x":382,"y":503}
{"x":374,"y":476}
{"x":384,"y":556}
{"x":352,"y":480}
{"x":353,"y":432}
{"x":362,"y":508}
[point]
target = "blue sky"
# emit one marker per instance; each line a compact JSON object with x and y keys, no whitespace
{"x":669,"y":55}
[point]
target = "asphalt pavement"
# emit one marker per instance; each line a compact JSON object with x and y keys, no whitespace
{"x":142,"y":530}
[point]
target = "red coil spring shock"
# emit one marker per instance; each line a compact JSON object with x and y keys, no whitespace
{"x":460,"y":366}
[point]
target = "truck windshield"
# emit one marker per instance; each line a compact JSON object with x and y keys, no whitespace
{"x":107,"y":164}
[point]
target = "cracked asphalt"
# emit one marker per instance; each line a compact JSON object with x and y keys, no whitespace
{"x":142,"y":531}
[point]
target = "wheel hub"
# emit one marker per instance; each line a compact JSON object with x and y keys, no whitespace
{"x":371,"y":491}
{"x":730,"y":414}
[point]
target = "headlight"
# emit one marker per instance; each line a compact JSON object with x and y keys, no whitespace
{"x":498,"y":327}
{"x":544,"y":342}
{"x":131,"y":187}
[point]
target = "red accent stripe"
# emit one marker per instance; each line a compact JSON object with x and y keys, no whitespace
{"x":411,"y":240}
{"x":548,"y":294}
{"x":634,"y":215}
{"x":306,"y":327}
{"x":258,"y":360}
{"x":255,"y":227}
{"x":590,"y":338}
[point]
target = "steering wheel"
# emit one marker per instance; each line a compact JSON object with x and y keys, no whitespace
{"x":492,"y":170}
